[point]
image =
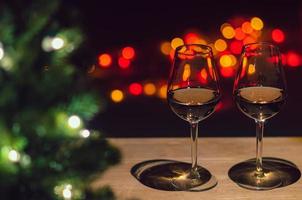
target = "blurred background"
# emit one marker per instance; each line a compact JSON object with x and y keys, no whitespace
{"x":134,"y":43}
{"x":74,"y":72}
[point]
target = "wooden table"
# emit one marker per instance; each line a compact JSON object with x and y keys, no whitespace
{"x":215,"y":154}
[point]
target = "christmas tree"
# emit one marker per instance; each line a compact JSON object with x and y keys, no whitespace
{"x":46,"y":151}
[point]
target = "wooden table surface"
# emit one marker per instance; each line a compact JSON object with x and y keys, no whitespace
{"x":218,"y":155}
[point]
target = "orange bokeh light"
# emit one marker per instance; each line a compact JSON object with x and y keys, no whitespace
{"x":128,"y":53}
{"x":249,"y":40}
{"x":105,"y":60}
{"x":247,"y":28}
{"x":165,"y":48}
{"x":239,"y":34}
{"x":278,"y":35}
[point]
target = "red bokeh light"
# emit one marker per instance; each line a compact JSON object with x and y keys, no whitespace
{"x":105,"y":60}
{"x":190,"y":38}
{"x":135,"y":89}
{"x":293,"y":59}
{"x":227,"y":72}
{"x":236,"y":47}
{"x":123,"y":63}
{"x":278,"y":35}
{"x":128,"y":53}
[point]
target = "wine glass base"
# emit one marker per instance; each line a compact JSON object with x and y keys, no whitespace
{"x":277,"y":173}
{"x":173,"y":176}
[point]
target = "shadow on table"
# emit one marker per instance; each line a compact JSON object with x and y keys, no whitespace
{"x":160,"y":174}
{"x":286,"y":170}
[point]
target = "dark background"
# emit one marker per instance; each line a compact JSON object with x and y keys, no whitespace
{"x":111,"y":25}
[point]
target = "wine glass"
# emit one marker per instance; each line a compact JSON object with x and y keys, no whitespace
{"x":259,"y":92}
{"x":193,"y":92}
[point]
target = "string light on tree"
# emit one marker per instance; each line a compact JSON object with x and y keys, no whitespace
{"x":74,"y":121}
{"x":85,"y":133}
{"x":1,"y":51}
{"x":14,"y":155}
{"x":67,"y":193}
{"x":57,"y":43}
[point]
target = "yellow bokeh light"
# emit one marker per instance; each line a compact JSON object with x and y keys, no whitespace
{"x":162,"y":93}
{"x":176,"y":42}
{"x":246,"y":27}
{"x":117,"y":96}
{"x":149,"y":89}
{"x":220,"y":45}
{"x":228,"y":32}
{"x":165,"y":48}
{"x":225,"y":61}
{"x":186,"y":73}
{"x":257,"y":23}
{"x":234,"y":59}
{"x":251,"y":69}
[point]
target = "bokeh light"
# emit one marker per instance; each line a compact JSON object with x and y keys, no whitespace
{"x":193,"y":38}
{"x":225,"y":61}
{"x":203,"y":75}
{"x":257,"y":23}
{"x":293,"y":59}
{"x":74,"y":121}
{"x":228,"y":31}
{"x":14,"y":155}
{"x":105,"y":60}
{"x":128,"y":53}
{"x":123,"y":63}
{"x":236,"y":47}
{"x":220,"y":45}
{"x":278,"y":35}
{"x":227,"y":72}
{"x":247,"y":28}
{"x":249,"y":39}
{"x":176,"y":42}
{"x":135,"y":89}
{"x":57,"y":43}
{"x":162,"y":93}
{"x":149,"y":89}
{"x":239,"y":34}
{"x":85,"y":133}
{"x":165,"y":48}
{"x":116,"y":95}
{"x":1,"y":51}
{"x":187,"y":72}
{"x":251,"y":69}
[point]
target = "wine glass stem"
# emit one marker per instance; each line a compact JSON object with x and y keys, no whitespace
{"x":259,"y":146}
{"x":194,"y":138}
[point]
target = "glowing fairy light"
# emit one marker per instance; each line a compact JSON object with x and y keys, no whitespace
{"x":57,"y":43}
{"x":14,"y":155}
{"x":1,"y":51}
{"x":67,"y":193}
{"x":74,"y":121}
{"x":257,"y":23}
{"x":176,"y":42}
{"x":85,"y":133}
{"x":149,"y":89}
{"x":117,"y":96}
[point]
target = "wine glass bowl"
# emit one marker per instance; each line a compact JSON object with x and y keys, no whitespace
{"x":259,"y":92}
{"x":193,"y":92}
